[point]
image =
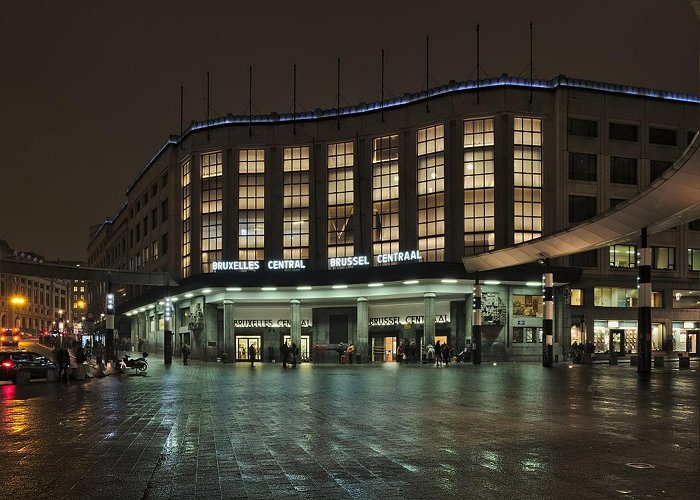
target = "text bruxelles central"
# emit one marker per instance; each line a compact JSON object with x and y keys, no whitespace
{"x":335,"y":262}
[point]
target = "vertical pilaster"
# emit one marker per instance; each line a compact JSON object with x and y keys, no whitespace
{"x":429,"y":317}
{"x":644,"y":307}
{"x":210,"y":329}
{"x":168,"y":332}
{"x":548,"y":319}
{"x":229,"y":330}
{"x":476,"y":326}
{"x":295,"y":310}
{"x":362,"y":335}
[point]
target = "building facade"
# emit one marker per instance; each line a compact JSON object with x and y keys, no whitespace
{"x":349,"y":225}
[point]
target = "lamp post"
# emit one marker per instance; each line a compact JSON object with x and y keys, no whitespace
{"x":16,"y":301}
{"x":60,"y":327}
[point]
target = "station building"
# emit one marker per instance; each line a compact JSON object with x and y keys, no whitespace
{"x":349,"y":225}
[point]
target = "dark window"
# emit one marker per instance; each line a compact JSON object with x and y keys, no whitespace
{"x":137,"y":232}
{"x":691,"y":135}
{"x":154,"y":189}
{"x":663,"y":136}
{"x":154,"y":218}
{"x":584,"y":259}
{"x":623,"y":170}
{"x":582,"y":167}
{"x":581,"y":208}
{"x":624,"y":132}
{"x":616,"y":201}
{"x":145,"y":225}
{"x":164,"y":211}
{"x":145,"y":199}
{"x":585,"y":128}
{"x":694,"y":225}
{"x":164,"y":244}
{"x":164,"y":180}
{"x":138,"y":206}
{"x":658,"y":167}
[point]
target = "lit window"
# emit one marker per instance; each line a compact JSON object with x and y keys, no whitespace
{"x":186,"y":220}
{"x":385,"y":195}
{"x":251,"y":204}
{"x":622,"y":297}
{"x":664,"y":258}
{"x":295,"y":235}
{"x":528,"y":305}
{"x":623,"y":256}
{"x":431,"y":193}
{"x":694,"y":259}
{"x":341,"y":199}
{"x":576,"y":297}
{"x":479,"y":233}
{"x":212,"y":208}
{"x":527,"y":179}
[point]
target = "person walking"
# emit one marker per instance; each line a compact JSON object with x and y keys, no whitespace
{"x":341,"y":352}
{"x":284,"y":354}
{"x":65,"y":361}
{"x":185,"y":353}
{"x":446,"y":354}
{"x":438,"y":354}
{"x":295,"y":353}
{"x":351,"y":352}
{"x":251,"y":355}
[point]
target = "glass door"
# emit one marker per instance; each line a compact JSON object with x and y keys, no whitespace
{"x":243,"y":348}
{"x":303,"y":350}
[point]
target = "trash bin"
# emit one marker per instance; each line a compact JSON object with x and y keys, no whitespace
{"x":683,"y":360}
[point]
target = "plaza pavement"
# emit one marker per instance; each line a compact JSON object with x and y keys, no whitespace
{"x":510,"y":430}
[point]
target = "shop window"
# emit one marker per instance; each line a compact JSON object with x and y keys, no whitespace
{"x":528,"y":305}
{"x":583,"y":128}
{"x":663,"y":258}
{"x":296,"y":231}
{"x":623,"y":170}
{"x":251,"y":204}
{"x":622,"y":297}
{"x":341,"y":200}
{"x":212,"y":208}
{"x":657,"y":168}
{"x":576,"y":295}
{"x":624,"y":132}
{"x":663,"y":136}
{"x":582,"y":167}
{"x":694,"y":259}
{"x":623,"y":256}
{"x":686,"y":299}
{"x":582,"y":208}
{"x":527,"y":335}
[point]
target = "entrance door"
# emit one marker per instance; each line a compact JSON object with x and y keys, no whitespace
{"x":243,"y":345}
{"x":616,"y":341}
{"x":691,"y":341}
{"x":303,"y":350}
{"x":389,"y":349}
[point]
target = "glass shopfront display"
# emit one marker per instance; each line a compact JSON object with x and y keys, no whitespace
{"x":243,"y":345}
{"x":304,"y":349}
{"x":686,"y":336}
{"x":623,"y":334}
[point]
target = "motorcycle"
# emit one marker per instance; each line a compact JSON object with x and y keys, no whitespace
{"x":138,"y":364}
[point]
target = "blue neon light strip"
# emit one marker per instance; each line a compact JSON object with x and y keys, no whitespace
{"x":503,"y":81}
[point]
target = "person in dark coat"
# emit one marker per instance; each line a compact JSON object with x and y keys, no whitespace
{"x":251,"y":355}
{"x":185,"y":353}
{"x":284,"y":353}
{"x":65,"y":362}
{"x":295,"y":353}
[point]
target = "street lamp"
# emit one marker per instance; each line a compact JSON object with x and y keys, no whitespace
{"x":17,"y":301}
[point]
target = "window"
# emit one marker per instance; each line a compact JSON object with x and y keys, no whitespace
{"x":251,"y":204}
{"x":622,"y":297}
{"x":527,"y":182}
{"x":663,"y":136}
{"x":583,"y":128}
{"x":385,"y":195}
{"x":145,"y":225}
{"x":663,"y":258}
{"x":624,"y":132}
{"x":479,"y":234}
{"x":528,"y":305}
{"x":164,"y":180}
{"x":657,"y":168}
{"x":137,"y":232}
{"x":694,"y":259}
{"x":186,"y":219}
{"x":582,"y":207}
{"x":295,"y":235}
{"x":154,"y":249}
{"x":527,"y":335}
{"x":154,"y":218}
{"x":164,"y":244}
{"x":212,"y":208}
{"x":582,"y":167}
{"x":616,"y":201}
{"x":145,"y":253}
{"x":164,"y":211}
{"x":341,"y":200}
{"x":623,"y":256}
{"x":431,"y":193}
{"x":154,"y":189}
{"x":576,"y":296}
{"x":623,"y":170}
{"x":145,"y":199}
{"x":694,"y":225}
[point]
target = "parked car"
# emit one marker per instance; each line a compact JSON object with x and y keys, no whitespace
{"x":12,"y":361}
{"x":10,"y":337}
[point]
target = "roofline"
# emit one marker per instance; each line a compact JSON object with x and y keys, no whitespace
{"x":108,"y":220}
{"x":453,"y":87}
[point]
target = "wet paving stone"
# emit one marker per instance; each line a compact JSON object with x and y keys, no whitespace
{"x":205,"y":431}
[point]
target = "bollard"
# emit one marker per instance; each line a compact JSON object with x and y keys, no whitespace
{"x":683,"y":360}
{"x":658,"y":361}
{"x":633,"y":360}
{"x":21,"y":377}
{"x":52,"y":375}
{"x":78,"y":372}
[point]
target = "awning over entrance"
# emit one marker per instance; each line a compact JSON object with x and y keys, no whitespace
{"x":670,"y":201}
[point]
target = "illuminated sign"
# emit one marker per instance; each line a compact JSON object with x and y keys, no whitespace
{"x":333,"y":263}
{"x":407,"y":320}
{"x":267,"y":323}
{"x":356,"y":261}
{"x":387,"y":258}
{"x":254,"y":265}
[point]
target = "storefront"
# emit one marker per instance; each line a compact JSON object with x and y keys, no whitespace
{"x":686,"y":337}
{"x":620,"y":336}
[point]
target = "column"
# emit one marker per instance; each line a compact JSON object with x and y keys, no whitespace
{"x":476,"y":326}
{"x":295,"y":309}
{"x":548,"y":319}
{"x":362,"y":335}
{"x":644,"y":307}
{"x":168,"y":332}
{"x":429,"y":318}
{"x":210,"y":330}
{"x":228,"y":332}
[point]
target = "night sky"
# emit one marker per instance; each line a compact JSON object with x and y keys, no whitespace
{"x":91,"y":89}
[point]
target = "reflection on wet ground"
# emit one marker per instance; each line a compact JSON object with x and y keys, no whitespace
{"x":229,"y":431}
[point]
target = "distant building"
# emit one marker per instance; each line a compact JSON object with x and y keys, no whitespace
{"x":350,"y":225}
{"x":40,"y":304}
